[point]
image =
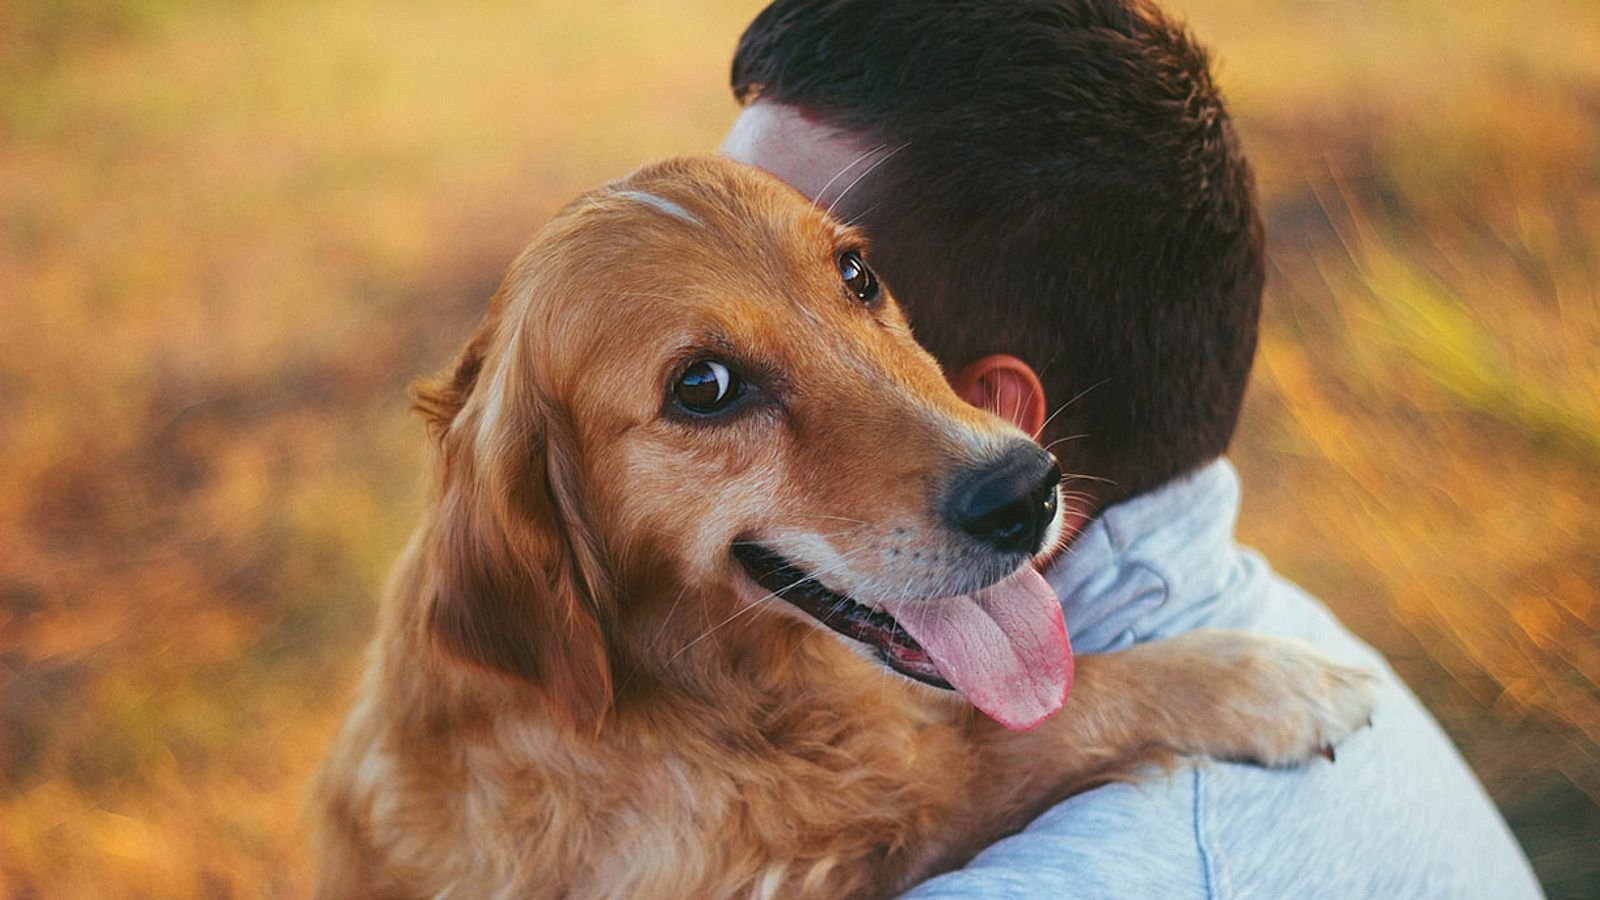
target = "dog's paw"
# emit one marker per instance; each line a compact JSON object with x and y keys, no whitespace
{"x":1283,"y":701}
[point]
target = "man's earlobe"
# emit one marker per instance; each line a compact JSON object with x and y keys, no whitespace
{"x":1005,"y":386}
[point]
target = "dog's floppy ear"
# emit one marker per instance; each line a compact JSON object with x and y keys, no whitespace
{"x":514,"y":585}
{"x":440,"y":400}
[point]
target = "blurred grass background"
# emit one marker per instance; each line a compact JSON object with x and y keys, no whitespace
{"x":231,"y":232}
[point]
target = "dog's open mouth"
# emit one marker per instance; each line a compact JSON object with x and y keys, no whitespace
{"x":877,"y":629}
{"x":1004,"y":647}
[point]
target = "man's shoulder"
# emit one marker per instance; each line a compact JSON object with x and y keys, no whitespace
{"x":1124,"y":839}
{"x":1397,"y":814}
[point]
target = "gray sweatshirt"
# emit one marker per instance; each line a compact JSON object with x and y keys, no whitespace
{"x":1399,"y":815}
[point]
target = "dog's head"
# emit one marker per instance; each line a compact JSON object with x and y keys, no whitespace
{"x":692,"y":403}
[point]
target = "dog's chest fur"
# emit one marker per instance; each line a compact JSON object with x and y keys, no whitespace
{"x":750,"y":796}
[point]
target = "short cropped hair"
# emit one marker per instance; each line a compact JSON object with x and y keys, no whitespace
{"x":1066,"y":187}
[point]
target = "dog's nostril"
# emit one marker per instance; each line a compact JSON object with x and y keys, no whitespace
{"x":1008,"y":504}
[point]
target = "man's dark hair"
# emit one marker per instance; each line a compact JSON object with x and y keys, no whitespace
{"x":1066,"y":187}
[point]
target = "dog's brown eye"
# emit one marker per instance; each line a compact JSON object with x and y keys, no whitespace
{"x":857,"y":277}
{"x":707,"y":387}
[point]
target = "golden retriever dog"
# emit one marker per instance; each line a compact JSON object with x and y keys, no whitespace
{"x":723,"y":592}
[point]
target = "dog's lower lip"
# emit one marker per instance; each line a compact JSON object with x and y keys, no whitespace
{"x":877,"y":629}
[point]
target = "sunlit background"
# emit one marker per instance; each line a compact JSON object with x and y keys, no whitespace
{"x":231,"y":233}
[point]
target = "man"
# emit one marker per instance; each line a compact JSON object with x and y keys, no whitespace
{"x":1057,"y":197}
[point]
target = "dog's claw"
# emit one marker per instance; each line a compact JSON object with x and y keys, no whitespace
{"x":1326,"y":752}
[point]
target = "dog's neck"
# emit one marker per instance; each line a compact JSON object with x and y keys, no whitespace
{"x":747,"y":715}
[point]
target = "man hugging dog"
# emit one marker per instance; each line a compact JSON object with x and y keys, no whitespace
{"x":1056,"y":195}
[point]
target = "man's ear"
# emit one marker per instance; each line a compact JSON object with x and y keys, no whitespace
{"x":1005,"y":386}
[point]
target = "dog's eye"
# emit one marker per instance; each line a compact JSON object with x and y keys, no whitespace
{"x":857,"y":277}
{"x":707,"y":387}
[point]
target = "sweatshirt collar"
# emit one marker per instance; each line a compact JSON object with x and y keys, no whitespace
{"x":1158,"y":564}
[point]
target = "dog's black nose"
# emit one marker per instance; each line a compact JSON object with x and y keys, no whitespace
{"x":1007,"y":504}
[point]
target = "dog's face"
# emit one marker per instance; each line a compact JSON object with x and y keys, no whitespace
{"x":699,"y":402}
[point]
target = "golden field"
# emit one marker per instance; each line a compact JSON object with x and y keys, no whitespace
{"x":231,"y":233}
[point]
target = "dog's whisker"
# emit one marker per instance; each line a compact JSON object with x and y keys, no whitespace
{"x":1075,"y":398}
{"x":847,"y":167}
{"x":883,"y":671}
{"x":665,"y":620}
{"x":905,"y":590}
{"x":843,"y":559}
{"x":1019,"y":403}
{"x":1066,"y":439}
{"x":840,"y":518}
{"x":753,"y":606}
{"x":875,"y":164}
{"x":777,"y":593}
{"x":818,"y":534}
{"x":862,"y":214}
{"x":923,"y":625}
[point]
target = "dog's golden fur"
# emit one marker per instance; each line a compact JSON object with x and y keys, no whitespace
{"x":575,"y":691}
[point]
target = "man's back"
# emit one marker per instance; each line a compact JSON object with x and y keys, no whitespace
{"x":1398,"y":815}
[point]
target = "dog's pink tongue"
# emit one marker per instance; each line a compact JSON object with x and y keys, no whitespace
{"x":1004,"y":648}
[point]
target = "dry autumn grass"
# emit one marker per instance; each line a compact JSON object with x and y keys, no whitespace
{"x":231,"y":233}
